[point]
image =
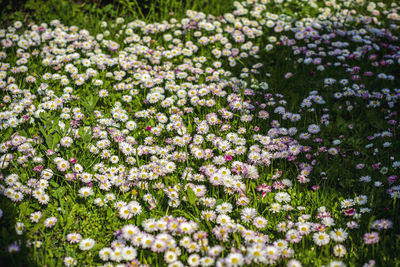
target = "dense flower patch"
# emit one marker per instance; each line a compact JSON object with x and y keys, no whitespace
{"x":190,"y":138}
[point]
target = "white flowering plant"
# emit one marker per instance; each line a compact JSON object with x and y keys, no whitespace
{"x":266,"y":134}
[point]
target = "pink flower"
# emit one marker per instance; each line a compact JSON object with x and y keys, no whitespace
{"x":38,"y":168}
{"x":264,"y":188}
{"x":228,"y":157}
{"x":302,"y":179}
{"x":148,"y":128}
{"x":315,"y":187}
{"x":70,"y":176}
{"x":375,"y":166}
{"x":73,"y":160}
{"x":368,"y":73}
{"x":360,"y":166}
{"x":392,"y":179}
{"x":288,"y":75}
{"x":371,"y":238}
{"x":350,"y":212}
{"x":324,"y":215}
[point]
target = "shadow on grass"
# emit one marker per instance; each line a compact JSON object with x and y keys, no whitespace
{"x":9,"y":237}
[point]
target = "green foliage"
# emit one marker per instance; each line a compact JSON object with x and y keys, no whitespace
{"x":80,"y":13}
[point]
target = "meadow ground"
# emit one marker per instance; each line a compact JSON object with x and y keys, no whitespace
{"x":199,"y":133}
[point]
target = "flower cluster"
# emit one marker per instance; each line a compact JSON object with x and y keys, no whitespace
{"x":175,"y":129}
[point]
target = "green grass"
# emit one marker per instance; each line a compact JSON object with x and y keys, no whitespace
{"x":87,"y":14}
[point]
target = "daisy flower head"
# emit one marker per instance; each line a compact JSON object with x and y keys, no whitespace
{"x":125,"y":213}
{"x":129,"y":253}
{"x":234,"y":259}
{"x":158,"y":245}
{"x":207,"y":261}
{"x":85,"y":191}
{"x":381,"y":224}
{"x":336,"y":264}
{"x":321,"y":239}
{"x":224,"y":208}
{"x":304,"y":228}
{"x":105,"y":253}
{"x":87,"y":244}
{"x":282,"y":197}
{"x":294,"y":263}
{"x":19,"y":228}
{"x":260,"y":222}
{"x":338,"y":235}
{"x":74,"y":238}
{"x":13,"y":248}
{"x":194,"y":260}
{"x":43,"y":199}
{"x":272,"y":252}
{"x":371,"y":238}
{"x":50,"y":222}
{"x":66,"y":141}
{"x":70,"y":261}
{"x":339,"y":250}
{"x":313,"y":129}
{"x":333,"y":151}
{"x":170,"y":256}
{"x":63,"y":165}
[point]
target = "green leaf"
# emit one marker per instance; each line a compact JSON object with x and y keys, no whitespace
{"x":7,"y":134}
{"x":49,"y":140}
{"x":184,"y":214}
{"x":90,"y":103}
{"x":237,"y":239}
{"x":86,"y":136}
{"x":54,"y":184}
{"x":107,"y":8}
{"x":219,"y":202}
{"x":191,"y":196}
{"x":54,"y":124}
{"x":375,"y":119}
{"x":23,"y":207}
